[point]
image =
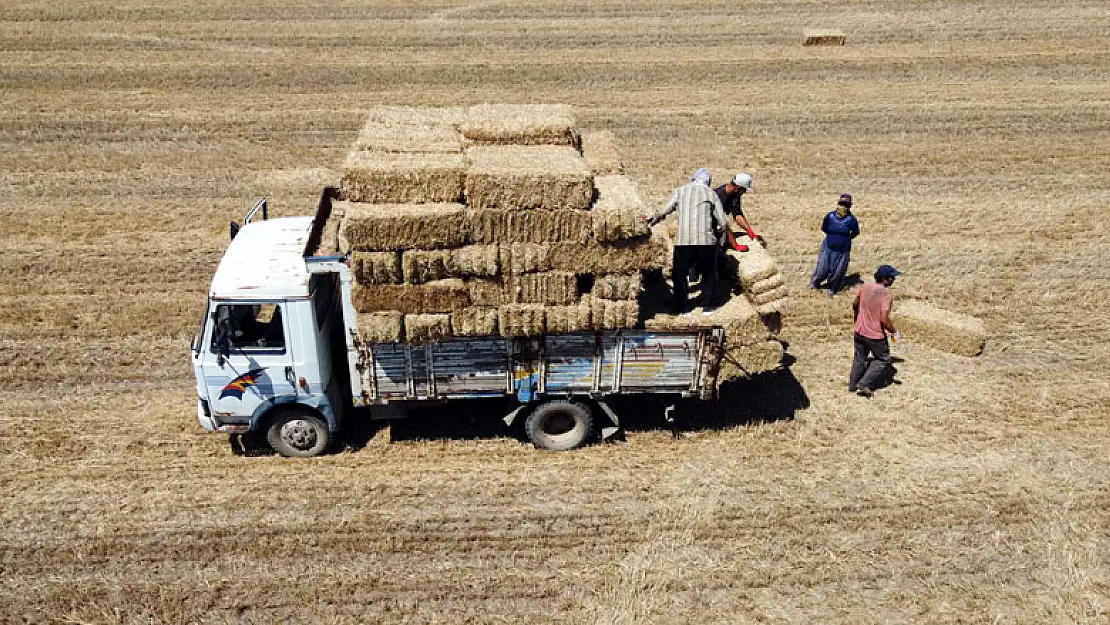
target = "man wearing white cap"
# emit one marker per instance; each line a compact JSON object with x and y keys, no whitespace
{"x":730,"y":194}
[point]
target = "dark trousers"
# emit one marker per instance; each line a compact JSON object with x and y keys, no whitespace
{"x":866,"y":372}
{"x":701,"y":258}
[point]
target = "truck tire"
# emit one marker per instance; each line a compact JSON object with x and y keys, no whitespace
{"x":298,"y":433}
{"x":559,"y":425}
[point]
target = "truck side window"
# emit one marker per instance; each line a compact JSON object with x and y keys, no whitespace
{"x":254,"y":327}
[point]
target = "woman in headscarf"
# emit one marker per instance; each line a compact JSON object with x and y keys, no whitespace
{"x":840,"y":227}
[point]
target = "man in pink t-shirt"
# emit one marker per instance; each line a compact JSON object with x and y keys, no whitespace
{"x":871,"y":309}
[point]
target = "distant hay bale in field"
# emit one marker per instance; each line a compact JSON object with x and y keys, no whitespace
{"x":517,"y":258}
{"x":599,"y":149}
{"x":738,"y":317}
{"x":767,"y":297}
{"x":427,"y":328}
{"x":618,"y":212}
{"x":376,"y":267}
{"x":573,"y":318}
{"x":610,"y":314}
{"x":515,"y":177}
{"x":556,"y":288}
{"x":521,"y":124}
{"x":474,"y":321}
{"x":823,"y":37}
{"x":381,"y":327}
{"x":421,"y":266}
{"x":488,"y":292}
{"x":440,"y":296}
{"x":617,"y":286}
{"x":530,"y":226}
{"x":522,"y":319}
{"x":742,"y":362}
{"x":416,"y":115}
{"x":620,"y":257}
{"x":403,"y":178}
{"x":390,"y":227}
{"x":408,"y":138}
{"x":765,"y":285}
{"x":939,"y":328}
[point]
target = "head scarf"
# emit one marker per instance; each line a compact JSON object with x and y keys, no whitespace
{"x":702,"y":176}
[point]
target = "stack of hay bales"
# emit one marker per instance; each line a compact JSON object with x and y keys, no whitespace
{"x":938,"y":328}
{"x":759,"y":277}
{"x":490,"y":221}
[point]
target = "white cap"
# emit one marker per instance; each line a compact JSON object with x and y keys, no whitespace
{"x":743,"y":180}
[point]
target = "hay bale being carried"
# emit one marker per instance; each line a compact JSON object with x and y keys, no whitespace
{"x":620,"y":257}
{"x":521,"y":124}
{"x":617,"y":286}
{"x":427,"y":328}
{"x":390,"y":227}
{"x":755,"y":264}
{"x":522,"y":320}
{"x":376,"y":267}
{"x":599,"y":149}
{"x":383,"y":178}
{"x":767,"y":297}
{"x":823,"y":37}
{"x":381,"y":327}
{"x":517,"y":177}
{"x":530,"y":226}
{"x":737,"y":317}
{"x":573,"y":318}
{"x":765,"y":285}
{"x":421,"y":266}
{"x":517,"y":258}
{"x":742,"y":362}
{"x":550,"y":287}
{"x":440,"y":296}
{"x":618,"y":212}
{"x":474,"y":321}
{"x":941,"y":329}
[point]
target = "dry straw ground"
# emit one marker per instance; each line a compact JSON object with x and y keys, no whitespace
{"x":973,"y":134}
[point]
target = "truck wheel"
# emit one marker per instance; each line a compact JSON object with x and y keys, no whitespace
{"x":298,"y":433}
{"x":559,"y":425}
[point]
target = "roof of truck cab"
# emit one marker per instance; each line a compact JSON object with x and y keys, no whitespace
{"x":265,"y":261}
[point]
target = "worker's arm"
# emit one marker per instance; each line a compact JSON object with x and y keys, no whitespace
{"x":853,"y":228}
{"x":884,"y":321}
{"x":825,"y":224}
{"x":855,"y":307}
{"x":742,"y":221}
{"x":667,"y":209}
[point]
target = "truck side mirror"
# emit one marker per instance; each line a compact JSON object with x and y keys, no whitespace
{"x":234,"y":229}
{"x":221,"y":336}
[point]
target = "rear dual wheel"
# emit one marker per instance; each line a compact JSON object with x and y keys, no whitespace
{"x":559,"y":425}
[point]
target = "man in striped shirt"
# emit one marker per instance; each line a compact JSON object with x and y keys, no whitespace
{"x":700,"y":218}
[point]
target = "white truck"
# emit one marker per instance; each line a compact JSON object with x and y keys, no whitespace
{"x":278,"y":355}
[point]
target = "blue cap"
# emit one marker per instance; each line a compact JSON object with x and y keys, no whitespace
{"x":845,"y":199}
{"x":886,"y":271}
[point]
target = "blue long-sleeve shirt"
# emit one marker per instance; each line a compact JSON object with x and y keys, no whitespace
{"x":839,"y":231}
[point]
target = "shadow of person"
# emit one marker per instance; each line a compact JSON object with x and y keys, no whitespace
{"x":851,"y":280}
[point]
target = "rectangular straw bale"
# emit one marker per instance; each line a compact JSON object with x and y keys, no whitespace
{"x":522,"y":319}
{"x":427,"y":328}
{"x":471,"y":260}
{"x":620,"y":257}
{"x":777,"y":306}
{"x":823,"y":37}
{"x":474,"y":321}
{"x":742,"y":362}
{"x":599,"y":149}
{"x":938,"y":328}
{"x":402,"y":178}
{"x":476,"y":260}
{"x":408,"y":138}
{"x":737,"y":317}
{"x":573,"y":318}
{"x":518,"y":258}
{"x":550,"y":287}
{"x":610,"y":314}
{"x":764,"y":285}
{"x":440,"y":296}
{"x":521,"y":124}
{"x":755,"y":264}
{"x":376,"y":267}
{"x":530,"y":226}
{"x":420,"y":266}
{"x":389,"y":227}
{"x":618,"y":212}
{"x":417,"y":115}
{"x":767,"y":297}
{"x":515,"y":177}
{"x":381,"y":327}
{"x":617,"y":286}
{"x":488,"y":292}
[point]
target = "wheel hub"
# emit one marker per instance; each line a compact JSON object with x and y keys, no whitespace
{"x":299,"y":433}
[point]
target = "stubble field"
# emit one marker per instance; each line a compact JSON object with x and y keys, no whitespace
{"x":975,"y":137}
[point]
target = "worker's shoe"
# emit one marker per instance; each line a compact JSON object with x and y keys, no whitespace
{"x":863,"y":391}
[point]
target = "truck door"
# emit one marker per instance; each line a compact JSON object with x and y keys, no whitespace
{"x":258,"y":364}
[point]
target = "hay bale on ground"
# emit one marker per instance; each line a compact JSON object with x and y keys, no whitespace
{"x":742,"y":362}
{"x":384,"y":137}
{"x":530,"y":226}
{"x":573,"y":318}
{"x":522,"y":320}
{"x":403,"y":178}
{"x":390,"y":227}
{"x":516,"y":177}
{"x":381,"y":327}
{"x":376,"y":267}
{"x":620,"y":257}
{"x":427,"y":328}
{"x":550,"y":287}
{"x":823,"y":37}
{"x":421,"y":266}
{"x":739,"y":319}
{"x":416,"y":115}
{"x":521,"y":124}
{"x":518,"y":258}
{"x":607,"y":314}
{"x":941,"y":329}
{"x":474,"y":321}
{"x":618,"y":212}
{"x":616,"y":286}
{"x":440,"y":296}
{"x":599,"y":149}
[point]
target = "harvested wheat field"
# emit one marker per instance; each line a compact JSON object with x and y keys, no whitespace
{"x":973,"y":137}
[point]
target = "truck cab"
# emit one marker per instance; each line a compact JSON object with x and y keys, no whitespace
{"x":262,"y":356}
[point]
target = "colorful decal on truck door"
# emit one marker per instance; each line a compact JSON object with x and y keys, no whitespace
{"x":239,"y":385}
